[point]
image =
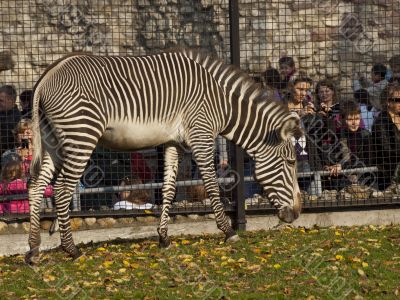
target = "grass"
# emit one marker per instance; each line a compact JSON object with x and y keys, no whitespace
{"x":334,"y":263}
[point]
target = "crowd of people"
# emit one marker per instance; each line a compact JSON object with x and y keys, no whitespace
{"x":341,"y":132}
{"x":349,"y":131}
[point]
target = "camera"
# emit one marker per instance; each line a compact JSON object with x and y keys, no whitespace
{"x":25,"y":143}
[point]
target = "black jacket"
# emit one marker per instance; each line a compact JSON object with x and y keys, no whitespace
{"x":385,"y":141}
{"x":8,"y":121}
{"x":355,"y":148}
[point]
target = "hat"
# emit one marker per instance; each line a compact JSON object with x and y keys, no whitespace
{"x":10,"y":156}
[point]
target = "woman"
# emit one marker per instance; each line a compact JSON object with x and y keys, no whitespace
{"x":23,"y":136}
{"x":386,"y":139}
{"x":300,"y":101}
{"x":327,"y":98}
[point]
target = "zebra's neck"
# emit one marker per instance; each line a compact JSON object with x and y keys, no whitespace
{"x":250,"y":118}
{"x":254,"y":127}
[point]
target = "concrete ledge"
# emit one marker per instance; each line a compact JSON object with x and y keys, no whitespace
{"x":18,"y":243}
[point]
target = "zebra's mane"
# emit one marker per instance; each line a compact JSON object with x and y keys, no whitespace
{"x":252,"y":90}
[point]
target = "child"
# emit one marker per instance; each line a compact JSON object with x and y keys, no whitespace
{"x":354,"y":146}
{"x":375,"y":86}
{"x":14,"y":182}
{"x":355,"y":140}
{"x":273,"y":84}
{"x":135,"y":199}
{"x":287,"y":69}
{"x":368,"y":112}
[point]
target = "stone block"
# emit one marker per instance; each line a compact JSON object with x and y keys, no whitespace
{"x":193,"y":217}
{"x":147,"y":219}
{"x":76,"y":223}
{"x":90,"y":221}
{"x":25,"y":226}
{"x":126,"y":220}
{"x":46,"y":224}
{"x":3,"y":227}
{"x":6,"y":62}
{"x":179,"y":218}
{"x":106,"y":222}
{"x":14,"y":228}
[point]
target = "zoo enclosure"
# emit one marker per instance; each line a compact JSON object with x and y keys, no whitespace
{"x":327,"y":39}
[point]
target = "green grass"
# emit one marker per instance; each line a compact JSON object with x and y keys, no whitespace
{"x":334,"y":263}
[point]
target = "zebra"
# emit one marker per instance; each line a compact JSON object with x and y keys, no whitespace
{"x":180,"y":97}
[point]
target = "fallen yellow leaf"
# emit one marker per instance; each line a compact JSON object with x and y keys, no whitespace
{"x":361,"y":272}
{"x":135,"y":266}
{"x":154,"y":265}
{"x":364,"y":264}
{"x":101,"y":249}
{"x":339,"y":257}
{"x":107,"y":264}
{"x":277,"y":266}
{"x":48,"y":278}
{"x":126,"y":263}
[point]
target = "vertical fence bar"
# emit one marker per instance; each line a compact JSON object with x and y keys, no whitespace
{"x":239,"y":218}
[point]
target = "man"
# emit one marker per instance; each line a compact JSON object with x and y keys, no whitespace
{"x":375,"y":86}
{"x":9,"y":117}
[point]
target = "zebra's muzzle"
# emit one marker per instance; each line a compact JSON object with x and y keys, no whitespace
{"x":287,"y":214}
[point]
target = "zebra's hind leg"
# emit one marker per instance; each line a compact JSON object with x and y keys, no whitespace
{"x":75,"y":160}
{"x":63,"y":189}
{"x":172,"y":156}
{"x":203,"y":148}
{"x":37,"y":185}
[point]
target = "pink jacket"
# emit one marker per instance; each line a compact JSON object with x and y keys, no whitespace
{"x":19,"y":205}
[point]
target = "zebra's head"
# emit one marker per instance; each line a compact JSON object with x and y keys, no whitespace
{"x":275,"y":170}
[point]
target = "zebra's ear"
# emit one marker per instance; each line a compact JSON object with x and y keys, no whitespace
{"x":291,"y":127}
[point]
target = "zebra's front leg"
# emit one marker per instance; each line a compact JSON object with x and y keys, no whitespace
{"x":36,"y":187}
{"x":203,"y":151}
{"x":171,"y":161}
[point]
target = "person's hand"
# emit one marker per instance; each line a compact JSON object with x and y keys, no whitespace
{"x":363,"y":81}
{"x":335,"y":170}
{"x":310,"y":108}
{"x":223,"y":164}
{"x":323,"y":111}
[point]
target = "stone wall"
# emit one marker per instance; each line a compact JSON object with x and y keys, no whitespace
{"x":326,"y":37}
{"x":13,"y":226}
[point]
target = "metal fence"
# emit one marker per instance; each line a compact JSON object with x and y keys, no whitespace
{"x":303,"y":52}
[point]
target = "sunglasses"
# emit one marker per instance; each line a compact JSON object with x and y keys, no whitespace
{"x":396,"y":100}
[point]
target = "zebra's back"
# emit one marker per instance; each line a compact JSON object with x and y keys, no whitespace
{"x":134,"y":102}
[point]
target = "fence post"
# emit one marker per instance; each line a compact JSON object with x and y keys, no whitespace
{"x":239,"y":218}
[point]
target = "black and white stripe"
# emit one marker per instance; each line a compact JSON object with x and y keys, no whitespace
{"x":129,"y":103}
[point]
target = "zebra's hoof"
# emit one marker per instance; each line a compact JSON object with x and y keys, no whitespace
{"x":233,"y":239}
{"x":74,"y":253}
{"x":32,"y":256}
{"x":77,"y":253}
{"x":164,"y":243}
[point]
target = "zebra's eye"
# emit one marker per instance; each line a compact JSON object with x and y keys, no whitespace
{"x":291,"y":162}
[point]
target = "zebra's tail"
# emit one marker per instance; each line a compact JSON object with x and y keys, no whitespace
{"x":37,"y":139}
